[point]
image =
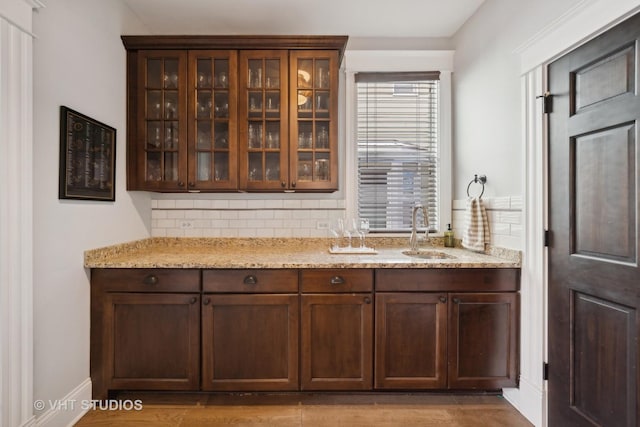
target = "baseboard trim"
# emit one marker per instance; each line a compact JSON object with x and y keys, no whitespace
{"x":74,"y":410}
{"x":528,"y":400}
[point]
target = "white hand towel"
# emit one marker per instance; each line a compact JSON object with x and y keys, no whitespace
{"x":476,"y":233}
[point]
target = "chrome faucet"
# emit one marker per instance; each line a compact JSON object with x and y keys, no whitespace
{"x":413,"y":240}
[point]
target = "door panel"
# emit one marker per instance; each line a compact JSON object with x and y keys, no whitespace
{"x":594,"y":279}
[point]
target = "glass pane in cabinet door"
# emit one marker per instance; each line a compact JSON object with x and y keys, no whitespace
{"x":204,"y":166}
{"x":273,"y":136}
{"x":322,"y":74}
{"x":154,"y":166}
{"x":221,"y":67}
{"x":203,"y":105}
{"x":305,"y":103}
{"x":203,"y":141}
{"x":255,"y":104}
{"x":255,"y":73}
{"x":170,"y":105}
{"x":254,"y":135}
{"x":203,"y":76}
{"x":305,"y":167}
{"x":321,"y":167}
{"x":305,"y":70}
{"x":221,"y":138}
{"x":154,"y":73}
{"x":221,"y":167}
{"x":272,"y":80}
{"x":272,"y":104}
{"x":305,"y":135}
{"x":255,"y":167}
{"x":171,"y":135}
{"x":171,"y":166}
{"x":170,"y":76}
{"x":272,"y":169}
{"x":221,"y":105}
{"x":154,"y":135}
{"x":154,"y":104}
{"x":322,"y":103}
{"x":322,"y":135}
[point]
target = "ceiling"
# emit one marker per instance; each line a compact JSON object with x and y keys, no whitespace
{"x":355,"y":18}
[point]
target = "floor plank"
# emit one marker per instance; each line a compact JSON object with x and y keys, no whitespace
{"x":310,"y":410}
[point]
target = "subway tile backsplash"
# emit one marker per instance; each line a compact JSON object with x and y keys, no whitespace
{"x":303,"y":218}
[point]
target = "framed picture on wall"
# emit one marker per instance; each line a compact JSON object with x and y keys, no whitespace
{"x":87,"y":158}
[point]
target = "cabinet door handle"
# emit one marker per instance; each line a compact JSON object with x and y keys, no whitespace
{"x":151,"y":279}
{"x":293,"y":184}
{"x":456,"y":300}
{"x":206,"y":301}
{"x":250,"y":280}
{"x":367,"y":300}
{"x":180,"y":183}
{"x":191,"y":184}
{"x":283,"y":184}
{"x":336,"y":280}
{"x":443,"y":299}
{"x":193,"y":300}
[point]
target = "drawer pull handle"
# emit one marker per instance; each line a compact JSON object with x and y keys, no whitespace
{"x":206,"y":301}
{"x":443,"y":299}
{"x":250,"y":280}
{"x":367,"y":300}
{"x":337,"y":280}
{"x":193,"y":300}
{"x":151,"y":279}
{"x":456,"y":300}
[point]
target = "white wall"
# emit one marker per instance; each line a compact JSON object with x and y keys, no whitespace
{"x":79,"y":62}
{"x":487,"y":129}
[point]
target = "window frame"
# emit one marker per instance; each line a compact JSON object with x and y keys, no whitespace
{"x":399,"y":61}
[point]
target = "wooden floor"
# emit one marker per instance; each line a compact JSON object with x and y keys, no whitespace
{"x":404,"y":410}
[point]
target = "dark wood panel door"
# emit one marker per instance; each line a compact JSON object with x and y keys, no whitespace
{"x":152,"y":341}
{"x":250,"y":342}
{"x":594,"y":279}
{"x":337,"y":342}
{"x":483,"y":340}
{"x":411,"y":341}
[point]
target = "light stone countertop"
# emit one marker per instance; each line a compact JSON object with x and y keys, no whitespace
{"x":241,"y":253}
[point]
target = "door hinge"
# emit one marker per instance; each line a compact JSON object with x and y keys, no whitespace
{"x":546,"y":102}
{"x":545,"y":371}
{"x":547,"y":238}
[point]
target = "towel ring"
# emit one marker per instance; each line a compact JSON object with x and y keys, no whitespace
{"x":482,"y":179}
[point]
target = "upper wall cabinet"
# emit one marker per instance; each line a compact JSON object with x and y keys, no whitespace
{"x":218,"y":113}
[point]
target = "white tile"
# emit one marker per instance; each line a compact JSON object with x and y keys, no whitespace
{"x":308,"y":223}
{"x":211,"y":214}
{"x":264,"y":214}
{"x":237,"y":204}
{"x":210,"y":232}
{"x":220,"y":204}
{"x":273,"y":204}
{"x":328,"y":204}
{"x":500,"y":228}
{"x":274,"y":223}
{"x":516,"y":231}
{"x":158,"y":232}
{"x":166,"y":223}
{"x":238,"y":223}
{"x":166,"y":204}
{"x":175,"y":232}
{"x":255,"y":204}
{"x":154,"y":204}
{"x":459,"y":204}
{"x":229,"y":214}
{"x":158,"y":214}
{"x":246,"y":214}
{"x":219,"y":223}
{"x":184,"y":204}
{"x":194,"y":214}
{"x":229,"y":232}
{"x":176,"y":214}
{"x":517,"y":202}
{"x":283,"y":214}
{"x":309,"y":204}
{"x":341,"y":203}
{"x":300,"y":214}
{"x":202,"y":204}
{"x":510,"y":217}
{"x":264,"y":232}
{"x":497,"y":203}
{"x":283,"y":232}
{"x":255,"y":223}
{"x":300,"y":232}
{"x":193,"y":232}
{"x":291,"y":204}
{"x":509,"y":242}
{"x":202,"y":223}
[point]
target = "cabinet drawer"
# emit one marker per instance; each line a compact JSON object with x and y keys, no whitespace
{"x":250,"y":281}
{"x":337,"y":280}
{"x":146,"y":280}
{"x":449,"y":280}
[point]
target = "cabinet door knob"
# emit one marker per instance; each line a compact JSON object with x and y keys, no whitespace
{"x":283,"y":184}
{"x":206,"y":301}
{"x":191,"y":184}
{"x":193,"y":300}
{"x":293,"y":184}
{"x":151,"y":279}
{"x":443,"y":299}
{"x":456,"y":300}
{"x":367,"y":300}
{"x":336,"y":280}
{"x":250,"y":280}
{"x":180,"y":183}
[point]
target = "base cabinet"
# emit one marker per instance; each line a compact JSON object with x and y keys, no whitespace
{"x":309,"y":329}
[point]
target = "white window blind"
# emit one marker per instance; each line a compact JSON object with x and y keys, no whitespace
{"x":397,"y":134}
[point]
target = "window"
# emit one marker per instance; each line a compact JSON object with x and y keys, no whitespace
{"x":398,"y":148}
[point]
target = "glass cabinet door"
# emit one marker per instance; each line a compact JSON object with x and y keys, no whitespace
{"x":263,"y":118}
{"x":162,"y":158}
{"x":212,"y":120}
{"x":313,"y":110}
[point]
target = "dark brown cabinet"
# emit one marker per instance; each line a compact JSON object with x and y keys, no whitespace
{"x":250,"y":337}
{"x":217,"y":113}
{"x":144,"y":334}
{"x":437,"y":339}
{"x":337,"y":330}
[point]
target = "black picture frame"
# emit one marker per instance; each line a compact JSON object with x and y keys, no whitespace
{"x":87,"y":158}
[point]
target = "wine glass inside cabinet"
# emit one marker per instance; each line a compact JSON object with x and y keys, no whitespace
{"x":263,"y":120}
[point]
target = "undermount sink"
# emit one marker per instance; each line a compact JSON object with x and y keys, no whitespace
{"x":428,"y":254}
